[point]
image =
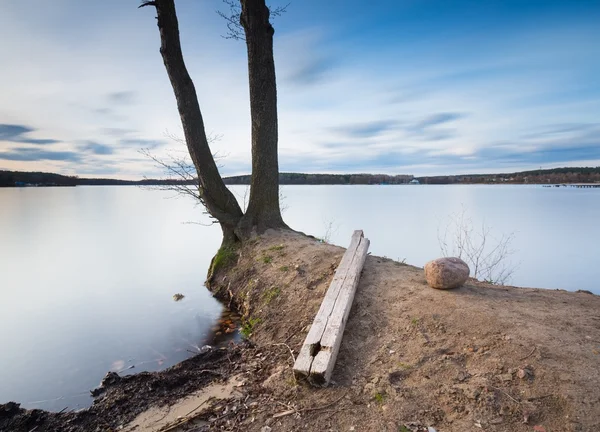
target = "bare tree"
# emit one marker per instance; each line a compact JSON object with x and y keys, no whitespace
{"x":263,"y":209}
{"x":488,"y":256}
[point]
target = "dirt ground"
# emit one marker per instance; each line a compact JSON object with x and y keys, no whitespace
{"x":477,"y":358}
{"x":481,"y":357}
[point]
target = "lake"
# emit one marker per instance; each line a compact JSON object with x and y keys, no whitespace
{"x":88,"y":274}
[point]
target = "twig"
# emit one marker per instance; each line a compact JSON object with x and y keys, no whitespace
{"x":185,"y":419}
{"x":512,"y":398}
{"x":528,"y":355}
{"x":290,"y":350}
{"x":324,"y":406}
{"x":164,"y":415}
{"x":293,"y":360}
{"x":198,"y":407}
{"x":539,"y":397}
{"x":284,"y":405}
{"x":284,"y":413}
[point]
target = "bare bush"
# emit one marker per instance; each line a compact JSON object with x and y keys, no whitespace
{"x":331,"y":228}
{"x":487,"y":254}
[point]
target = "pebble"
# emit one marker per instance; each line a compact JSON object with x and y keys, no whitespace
{"x":524,"y":373}
{"x":505,"y":377}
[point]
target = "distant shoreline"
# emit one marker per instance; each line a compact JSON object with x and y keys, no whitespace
{"x":549,"y":177}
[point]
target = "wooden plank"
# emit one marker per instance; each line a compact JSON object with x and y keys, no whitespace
{"x":317,"y":356}
{"x":313,"y":339}
{"x":324,"y":361}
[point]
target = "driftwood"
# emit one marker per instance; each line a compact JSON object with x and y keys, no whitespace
{"x":317,"y":356}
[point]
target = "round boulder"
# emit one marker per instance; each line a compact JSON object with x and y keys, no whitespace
{"x":446,"y":273}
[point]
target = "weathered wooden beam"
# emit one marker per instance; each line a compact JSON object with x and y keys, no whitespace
{"x":317,"y":356}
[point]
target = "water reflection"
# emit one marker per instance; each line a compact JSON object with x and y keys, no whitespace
{"x":226,"y":330}
{"x":87,"y":286}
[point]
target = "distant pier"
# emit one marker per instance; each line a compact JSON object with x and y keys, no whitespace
{"x":576,"y":185}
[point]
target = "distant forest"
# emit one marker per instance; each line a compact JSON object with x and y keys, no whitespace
{"x":549,"y":176}
{"x":21,"y":178}
{"x":327,"y":179}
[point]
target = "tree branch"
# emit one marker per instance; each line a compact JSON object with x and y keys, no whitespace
{"x":212,"y":192}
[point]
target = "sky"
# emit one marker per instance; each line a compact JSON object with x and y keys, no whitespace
{"x":420,"y":87}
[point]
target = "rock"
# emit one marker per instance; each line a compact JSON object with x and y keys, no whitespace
{"x":205,"y":349}
{"x":524,"y":373}
{"x":109,"y":379}
{"x":462,"y":376}
{"x":10,"y":408}
{"x":505,"y":377}
{"x":369,"y":388}
{"x":446,"y":273}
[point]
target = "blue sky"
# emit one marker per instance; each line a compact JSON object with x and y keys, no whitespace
{"x":399,"y":87}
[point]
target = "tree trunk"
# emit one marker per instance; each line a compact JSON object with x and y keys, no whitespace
{"x":218,"y":200}
{"x":263,"y":208}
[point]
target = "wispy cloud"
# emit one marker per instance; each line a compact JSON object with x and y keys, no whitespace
{"x":18,"y":134}
{"x":437,"y":119}
{"x":310,"y":71}
{"x":97,"y":148}
{"x":366,"y":129}
{"x":142,"y":143}
{"x":27,"y":154}
{"x":122,"y":97}
{"x":117,"y":132}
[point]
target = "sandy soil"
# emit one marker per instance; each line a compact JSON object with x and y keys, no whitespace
{"x":477,"y":358}
{"x":481,"y":357}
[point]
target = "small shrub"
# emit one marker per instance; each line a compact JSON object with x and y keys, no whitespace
{"x":277,"y":248}
{"x":487,"y":254}
{"x":379,"y":397}
{"x":271,"y":294}
{"x":284,"y":268}
{"x":267,"y":259}
{"x":248,"y":327}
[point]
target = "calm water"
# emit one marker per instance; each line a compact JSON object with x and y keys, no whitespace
{"x":87,"y":274}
